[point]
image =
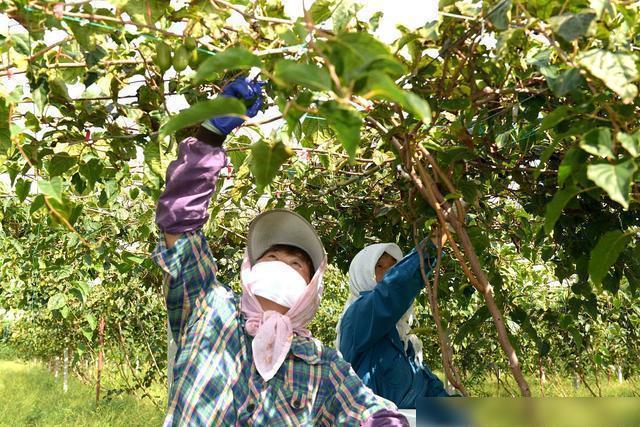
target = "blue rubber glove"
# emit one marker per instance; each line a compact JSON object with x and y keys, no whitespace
{"x":240,"y":88}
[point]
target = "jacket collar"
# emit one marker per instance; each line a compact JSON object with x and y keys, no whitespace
{"x":307,"y":349}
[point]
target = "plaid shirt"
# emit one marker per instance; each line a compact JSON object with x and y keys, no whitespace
{"x":216,"y":382}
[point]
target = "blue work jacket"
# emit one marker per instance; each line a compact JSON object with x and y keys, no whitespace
{"x":370,"y":341}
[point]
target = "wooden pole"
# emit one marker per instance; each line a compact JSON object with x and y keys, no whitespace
{"x":65,"y":371}
{"x":100,"y":358}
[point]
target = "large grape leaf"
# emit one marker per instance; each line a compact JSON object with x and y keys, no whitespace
{"x":615,"y":179}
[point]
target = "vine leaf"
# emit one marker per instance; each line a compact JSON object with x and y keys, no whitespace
{"x":570,"y":26}
{"x":320,"y":10}
{"x":553,"y":118}
{"x":148,"y":11}
{"x":615,"y":179}
{"x":202,"y":111}
{"x":5,"y":126}
{"x":56,"y":302}
{"x":22,"y":189}
{"x":617,"y":70}
{"x":500,"y":15}
{"x":287,"y":73}
{"x":356,"y":55}
{"x":573,"y":159}
{"x":92,"y":170}
{"x":631,"y":143}
{"x":598,"y":142}
{"x":234,"y":58}
{"x":152,"y":164}
{"x":381,"y":86}
{"x":605,"y":254}
{"x":566,"y":82}
{"x":345,"y":123}
{"x":556,"y":205}
{"x":52,"y":188}
{"x":266,"y":159}
{"x":60,"y":163}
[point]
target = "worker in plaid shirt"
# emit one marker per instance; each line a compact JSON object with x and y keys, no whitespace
{"x":249,"y":360}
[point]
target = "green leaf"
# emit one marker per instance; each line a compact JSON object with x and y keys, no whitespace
{"x":233,"y":58}
{"x":321,"y":10}
{"x":91,"y":320}
{"x":605,"y":254}
{"x":143,"y":11}
{"x":52,"y":188}
{"x":553,"y":118}
{"x":152,"y":164}
{"x":631,"y":143}
{"x":60,"y":163}
{"x":81,"y":291}
{"x":91,"y":170}
{"x":58,"y":90}
{"x":573,"y":158}
{"x":570,"y":26}
{"x":288,"y":73}
{"x":381,"y":86}
{"x":469,"y":7}
{"x":556,"y":205}
{"x":344,"y":12}
{"x":266,"y":159}
{"x":132,"y":258}
{"x":614,"y":179}
{"x":345,"y":123}
{"x":64,"y":312}
{"x":500,"y":15}
{"x":5,"y":126}
{"x":22,"y":189}
{"x":617,"y":70}
{"x":56,"y":302}
{"x":577,"y":338}
{"x":598,"y":142}
{"x":88,"y":334}
{"x":473,"y":324}
{"x":36,"y":204}
{"x":356,"y":54}
{"x":566,"y":82}
{"x":544,"y":347}
{"x":21,"y":43}
{"x":201,"y":111}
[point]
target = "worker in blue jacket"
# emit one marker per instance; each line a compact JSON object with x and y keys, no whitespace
{"x":374,"y":329}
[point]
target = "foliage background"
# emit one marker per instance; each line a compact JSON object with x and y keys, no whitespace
{"x":529,"y":107}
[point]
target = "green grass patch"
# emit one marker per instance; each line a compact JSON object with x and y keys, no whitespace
{"x":557,"y":385}
{"x":31,"y":396}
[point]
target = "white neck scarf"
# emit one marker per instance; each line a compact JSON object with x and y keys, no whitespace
{"x":362,"y":278}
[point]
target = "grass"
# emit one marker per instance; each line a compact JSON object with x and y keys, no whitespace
{"x":31,"y":396}
{"x":557,"y":385}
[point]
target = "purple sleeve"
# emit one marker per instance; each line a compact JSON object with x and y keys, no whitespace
{"x":191,"y":180}
{"x":386,"y":418}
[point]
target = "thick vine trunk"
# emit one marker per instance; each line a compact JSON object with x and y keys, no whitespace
{"x":481,"y":281}
{"x":469,"y":262}
{"x":450,"y":371}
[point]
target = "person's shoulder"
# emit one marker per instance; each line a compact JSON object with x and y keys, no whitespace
{"x":221,"y":297}
{"x":313,"y":351}
{"x":332,"y":357}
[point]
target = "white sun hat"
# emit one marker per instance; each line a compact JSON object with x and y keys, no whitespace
{"x":283,"y":227}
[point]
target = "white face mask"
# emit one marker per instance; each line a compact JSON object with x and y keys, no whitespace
{"x":277,"y":282}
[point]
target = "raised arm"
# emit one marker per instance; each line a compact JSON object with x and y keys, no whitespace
{"x":191,"y":178}
{"x":373,"y":314}
{"x":182,"y":251}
